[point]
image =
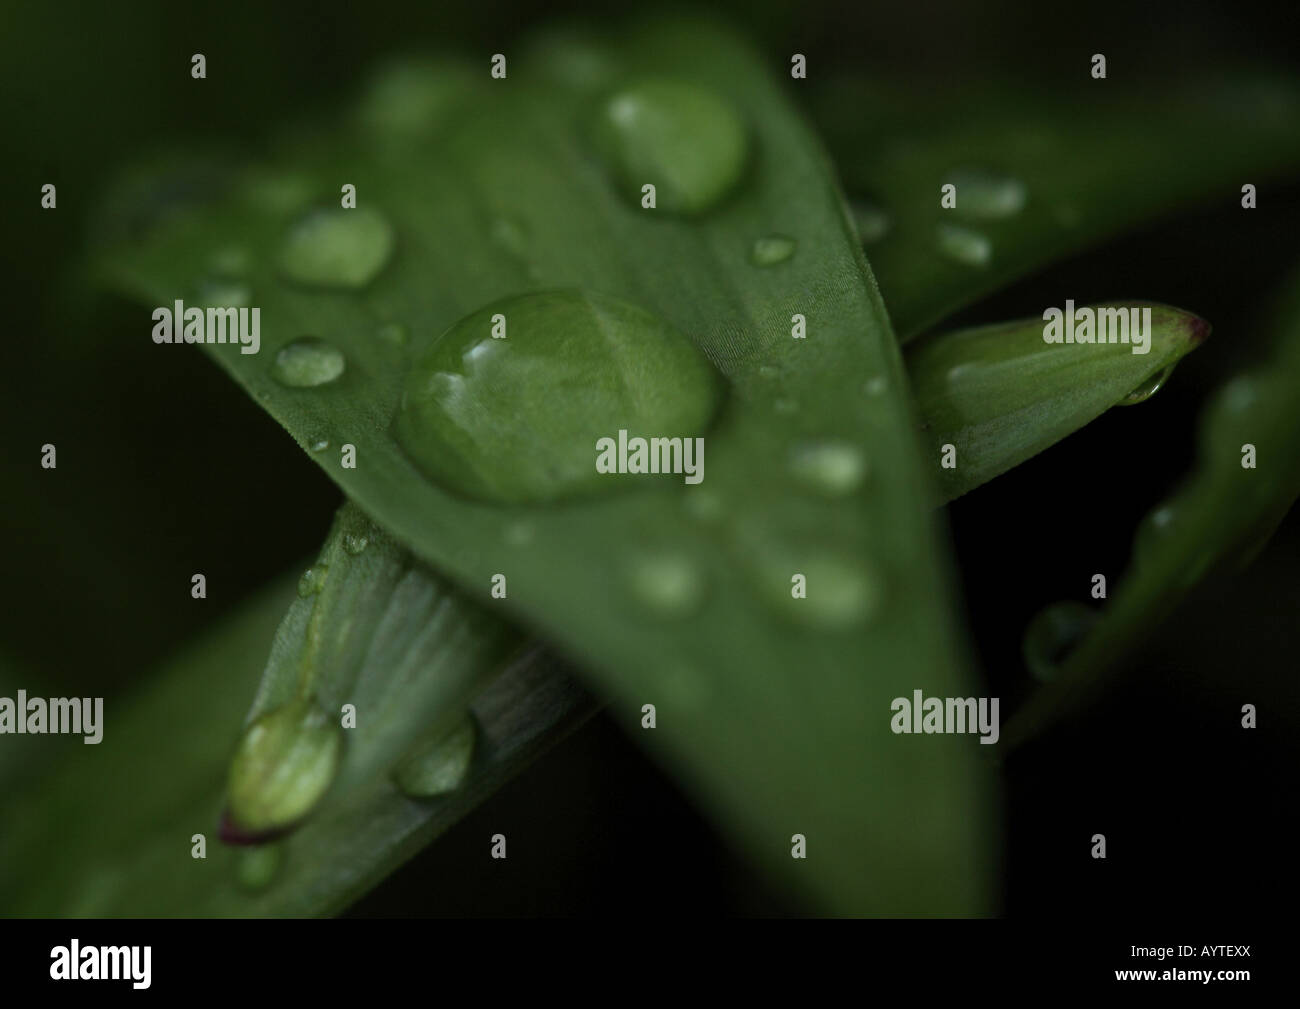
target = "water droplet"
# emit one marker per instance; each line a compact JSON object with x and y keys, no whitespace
{"x":511,"y":235}
{"x":965,"y":246}
{"x":704,"y":505}
{"x":337,"y":248}
{"x":355,"y":543}
{"x":438,"y":766}
{"x":987,"y":195}
{"x":876,"y":386}
{"x":829,"y":468}
{"x":871,"y":221}
{"x":222,"y":293}
{"x":839,"y":593}
{"x":307,"y":362}
{"x":771,"y":250}
{"x":319,"y":444}
{"x":1152,"y":531}
{"x":1053,"y":634}
{"x":1148,"y":388}
{"x":312,"y":580}
{"x":283,"y":765}
{"x":256,"y":867}
{"x":690,"y":143}
{"x":669,"y":584}
{"x":518,"y":420}
{"x":519,"y":534}
{"x":393,"y":332}
{"x":232,"y":261}
{"x":411,"y":98}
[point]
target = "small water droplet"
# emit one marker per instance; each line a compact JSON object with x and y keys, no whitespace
{"x":331,"y":247}
{"x":704,"y":505}
{"x":871,"y":221}
{"x":689,"y":142}
{"x":223,"y":293}
{"x":876,"y":386}
{"x":1148,"y":388}
{"x":986,"y":195}
{"x":319,"y":444}
{"x":355,"y":543}
{"x":410,"y":98}
{"x":393,"y":332}
{"x":312,"y":580}
{"x":1053,"y":634}
{"x":438,"y":766}
{"x":519,"y":534}
{"x":670,"y":584}
{"x":839,"y":593}
{"x":511,"y":235}
{"x":1154,"y":528}
{"x":257,"y":866}
{"x":829,"y":468}
{"x":231,"y":261}
{"x":965,"y":246}
{"x":471,"y":417}
{"x":771,"y":250}
{"x":307,"y":362}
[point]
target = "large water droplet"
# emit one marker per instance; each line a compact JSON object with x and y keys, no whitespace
{"x":1148,"y":388}
{"x":355,"y":543}
{"x":307,"y":362}
{"x":337,"y":248}
{"x":771,"y":250}
{"x":438,"y":766}
{"x":670,"y":585}
{"x":965,"y":246}
{"x":871,"y":220}
{"x":829,"y":468}
{"x":985,"y":195}
{"x":518,"y":419}
{"x":690,"y":143}
{"x":284,"y":763}
{"x":1053,"y":634}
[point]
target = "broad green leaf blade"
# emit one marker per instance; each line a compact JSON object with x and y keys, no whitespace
{"x":1038,"y":176}
{"x":775,"y":709}
{"x":159,"y":775}
{"x":1000,"y":394}
{"x":1216,"y":521}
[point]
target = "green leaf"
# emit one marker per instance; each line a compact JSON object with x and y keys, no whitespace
{"x":385,"y":634}
{"x":1000,"y":394}
{"x":775,"y":709}
{"x":1216,"y":521}
{"x":1038,"y":175}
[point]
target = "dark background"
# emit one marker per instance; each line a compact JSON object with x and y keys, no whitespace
{"x":160,"y":458}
